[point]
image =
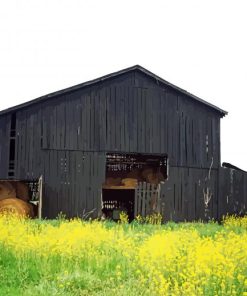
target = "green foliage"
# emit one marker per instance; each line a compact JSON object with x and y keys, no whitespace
{"x":115,"y":269}
{"x":124,"y":219}
{"x":153,"y":219}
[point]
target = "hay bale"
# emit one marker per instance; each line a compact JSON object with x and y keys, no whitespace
{"x":16,"y":206}
{"x":152,"y":176}
{"x":129,"y":182}
{"x":160,"y":177}
{"x":113,"y":181}
{"x":135,"y":174}
{"x":149,"y":175}
{"x":146,"y":172}
{"x":152,"y":179}
{"x":7,"y":190}
{"x":22,"y":191}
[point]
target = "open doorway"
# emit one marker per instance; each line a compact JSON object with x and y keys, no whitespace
{"x":117,"y":201}
{"x":23,"y":197}
{"x":125,"y":175}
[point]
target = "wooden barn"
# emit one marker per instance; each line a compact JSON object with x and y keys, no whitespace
{"x":128,"y":141}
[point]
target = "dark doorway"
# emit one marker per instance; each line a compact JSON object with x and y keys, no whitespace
{"x":124,"y":173}
{"x":116,"y":201}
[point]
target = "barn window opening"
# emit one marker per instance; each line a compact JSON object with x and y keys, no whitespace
{"x":130,"y":178}
{"x":13,"y":125}
{"x":11,"y":169}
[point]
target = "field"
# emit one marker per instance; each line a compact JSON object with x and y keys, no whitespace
{"x":75,"y":257}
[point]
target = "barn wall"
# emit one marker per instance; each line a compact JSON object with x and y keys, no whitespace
{"x":127,"y":114}
{"x":72,"y":178}
{"x":29,"y":156}
{"x":183,"y":194}
{"x":118,"y":116}
{"x":4,"y":145}
{"x":232,"y":192}
{"x":73,"y":182}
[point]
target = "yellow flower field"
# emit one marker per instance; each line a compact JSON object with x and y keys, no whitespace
{"x":74,"y":257}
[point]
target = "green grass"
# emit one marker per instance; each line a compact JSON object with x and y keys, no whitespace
{"x":32,"y":274}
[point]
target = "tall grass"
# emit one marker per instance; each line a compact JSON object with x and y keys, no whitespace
{"x":75,"y":257}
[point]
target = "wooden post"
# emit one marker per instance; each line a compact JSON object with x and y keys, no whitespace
{"x":40,"y":195}
{"x":136,"y":202}
{"x":144,"y":192}
{"x":158,"y":199}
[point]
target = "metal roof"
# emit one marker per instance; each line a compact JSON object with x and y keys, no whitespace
{"x":109,"y":76}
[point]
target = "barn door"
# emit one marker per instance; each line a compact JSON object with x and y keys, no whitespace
{"x":147,"y":199}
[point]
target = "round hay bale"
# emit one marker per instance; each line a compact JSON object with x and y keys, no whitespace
{"x":17,"y":207}
{"x":7,"y":190}
{"x":22,"y":191}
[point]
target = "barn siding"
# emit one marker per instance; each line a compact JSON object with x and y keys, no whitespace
{"x":182,"y":195}
{"x":120,"y":117}
{"x":73,"y":182}
{"x":232,"y":192}
{"x":65,"y":139}
{"x":4,"y":145}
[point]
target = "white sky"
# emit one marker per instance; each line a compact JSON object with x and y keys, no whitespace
{"x":47,"y":45}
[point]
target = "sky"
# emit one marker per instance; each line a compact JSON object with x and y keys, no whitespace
{"x":200,"y":46}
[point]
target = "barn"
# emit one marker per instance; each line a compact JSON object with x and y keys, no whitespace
{"x":126,"y":141}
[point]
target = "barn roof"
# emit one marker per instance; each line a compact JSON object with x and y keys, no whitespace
{"x":109,"y":76}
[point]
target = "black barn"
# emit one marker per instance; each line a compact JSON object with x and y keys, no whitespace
{"x":126,"y":141}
